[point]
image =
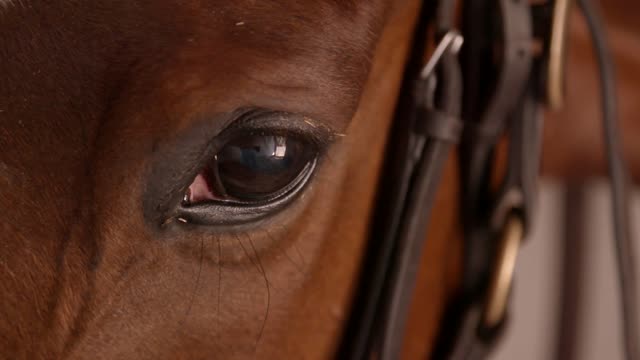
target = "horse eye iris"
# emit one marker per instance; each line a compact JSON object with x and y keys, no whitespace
{"x":252,"y":167}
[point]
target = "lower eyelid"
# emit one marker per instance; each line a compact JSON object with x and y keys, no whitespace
{"x":221,"y":213}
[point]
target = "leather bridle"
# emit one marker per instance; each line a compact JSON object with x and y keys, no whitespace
{"x":475,"y":95}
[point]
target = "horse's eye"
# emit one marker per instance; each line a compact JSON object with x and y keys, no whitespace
{"x":253,"y":168}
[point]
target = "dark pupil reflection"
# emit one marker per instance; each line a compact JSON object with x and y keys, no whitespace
{"x":252,"y":166}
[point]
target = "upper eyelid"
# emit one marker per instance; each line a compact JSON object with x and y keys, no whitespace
{"x":292,"y":123}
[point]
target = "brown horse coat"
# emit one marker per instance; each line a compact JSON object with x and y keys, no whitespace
{"x":94,"y":96}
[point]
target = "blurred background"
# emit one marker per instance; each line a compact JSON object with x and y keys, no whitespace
{"x":581,"y":213}
{"x":565,"y":300}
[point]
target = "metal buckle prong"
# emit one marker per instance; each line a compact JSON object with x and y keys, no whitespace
{"x":556,"y":68}
{"x":451,"y":41}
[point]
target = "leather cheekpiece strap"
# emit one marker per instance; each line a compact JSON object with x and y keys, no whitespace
{"x":443,"y":126}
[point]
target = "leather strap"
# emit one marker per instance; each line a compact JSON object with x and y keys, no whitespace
{"x":510,"y":106}
{"x":501,"y":98}
{"x":427,"y":125}
{"x":364,"y":324}
{"x":443,"y":126}
{"x":429,"y":122}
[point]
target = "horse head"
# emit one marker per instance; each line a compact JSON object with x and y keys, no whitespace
{"x":116,"y":123}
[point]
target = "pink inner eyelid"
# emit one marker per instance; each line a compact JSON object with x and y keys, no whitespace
{"x":199,"y":190}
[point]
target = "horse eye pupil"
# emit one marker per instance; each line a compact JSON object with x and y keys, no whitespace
{"x":253,"y":167}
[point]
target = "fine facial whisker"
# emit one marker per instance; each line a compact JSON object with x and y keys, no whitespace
{"x":296,"y":249}
{"x":246,"y":253}
{"x":196,"y":286}
{"x":268,"y":287}
{"x":286,"y":254}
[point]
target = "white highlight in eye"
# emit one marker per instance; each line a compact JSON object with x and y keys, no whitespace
{"x":281,"y":147}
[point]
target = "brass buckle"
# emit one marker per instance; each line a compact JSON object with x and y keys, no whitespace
{"x":503,"y":270}
{"x":556,"y":66}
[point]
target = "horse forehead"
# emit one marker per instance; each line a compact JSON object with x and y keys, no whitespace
{"x":58,"y":80}
{"x":61,"y":69}
{"x":120,"y":33}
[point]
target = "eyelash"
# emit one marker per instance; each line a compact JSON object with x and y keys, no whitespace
{"x":282,"y":123}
